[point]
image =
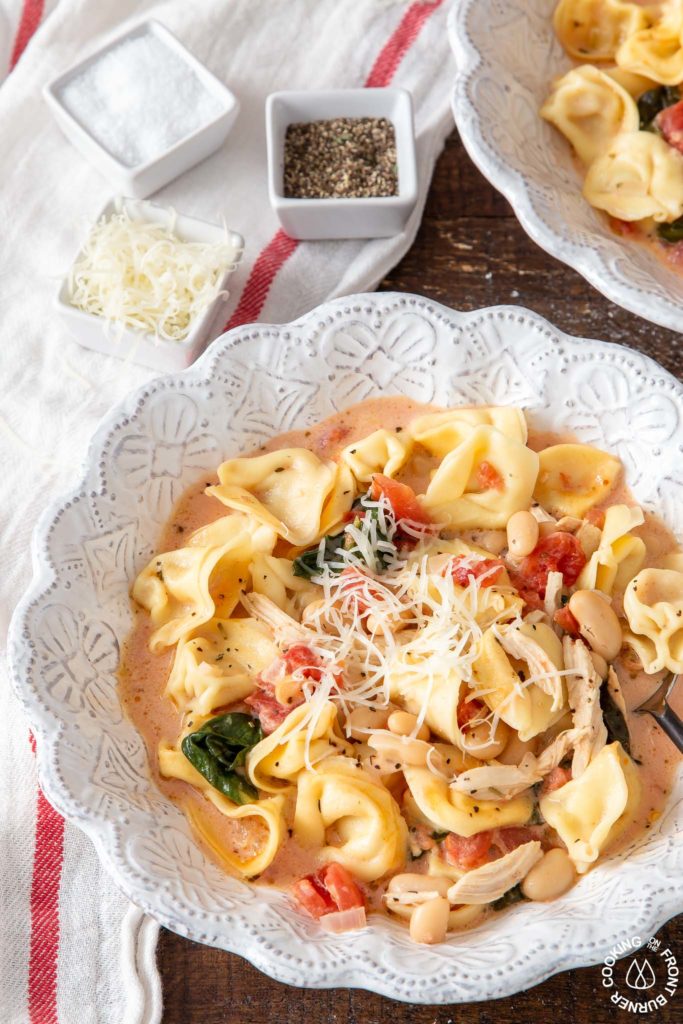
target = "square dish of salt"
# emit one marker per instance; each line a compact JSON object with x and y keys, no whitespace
{"x":142,"y":109}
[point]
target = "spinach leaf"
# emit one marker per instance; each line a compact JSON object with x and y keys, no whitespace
{"x":219,"y":749}
{"x":311,"y":562}
{"x":615,"y":723}
{"x":514,"y":895}
{"x":671,"y":232}
{"x":653,"y":102}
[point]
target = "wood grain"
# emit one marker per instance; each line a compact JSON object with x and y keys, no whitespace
{"x":470,"y":252}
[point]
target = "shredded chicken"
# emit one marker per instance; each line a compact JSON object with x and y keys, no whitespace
{"x":495,"y":781}
{"x":491,"y":881}
{"x":553,"y":597}
{"x":583,"y":689}
{"x":522,"y":647}
{"x":285,"y":629}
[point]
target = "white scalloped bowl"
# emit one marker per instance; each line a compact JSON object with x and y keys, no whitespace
{"x":253,"y":382}
{"x":506,"y":56}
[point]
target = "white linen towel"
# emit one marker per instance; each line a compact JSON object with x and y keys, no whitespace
{"x":74,"y":950}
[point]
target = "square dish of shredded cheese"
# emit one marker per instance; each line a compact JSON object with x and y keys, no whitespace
{"x":136,"y":271}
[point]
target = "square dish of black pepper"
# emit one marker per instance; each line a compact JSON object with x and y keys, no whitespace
{"x":341,"y":158}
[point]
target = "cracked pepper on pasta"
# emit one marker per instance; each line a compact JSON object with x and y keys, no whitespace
{"x":386,"y":664}
{"x":621,"y":110}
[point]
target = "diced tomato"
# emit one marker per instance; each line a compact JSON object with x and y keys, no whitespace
{"x":401,"y":497}
{"x":300,"y":658}
{"x":508,"y":839}
{"x":625,"y":228}
{"x":467,"y":852}
{"x":313,"y":897}
{"x":488,"y":477}
{"x":468,"y":710}
{"x":331,"y":889}
{"x":558,"y":552}
{"x":555,"y":779}
{"x":531,"y":597}
{"x":596,"y":516}
{"x":564,"y":618}
{"x":269,"y":711}
{"x":341,"y":886}
{"x":462,"y":568}
{"x":670,"y":123}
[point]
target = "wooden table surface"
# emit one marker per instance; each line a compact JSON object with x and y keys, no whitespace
{"x":470,"y":252}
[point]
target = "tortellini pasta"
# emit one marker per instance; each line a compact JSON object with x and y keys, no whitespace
{"x":656,"y":51}
{"x":482,"y":481}
{"x":523,"y":706}
{"x":286,"y":490}
{"x":638,"y":176}
{"x":653,"y":603}
{"x":590,"y":109}
{"x":572,"y":478}
{"x":219,"y":666}
{"x":185,"y":588}
{"x":339,"y":500}
{"x":268,"y":813}
{"x":619,"y":555}
{"x":440,"y":432}
{"x":371,"y":835}
{"x":275,"y":762}
{"x":381,"y":452}
{"x":594,"y":29}
{"x":588,"y":813}
{"x":449,"y":810}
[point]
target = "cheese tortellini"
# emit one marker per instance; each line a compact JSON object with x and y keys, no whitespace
{"x":220,"y":665}
{"x":450,"y":810}
{"x":589,"y":812}
{"x":382,"y":452}
{"x":440,"y":432}
{"x":590,"y":109}
{"x":268,"y":814}
{"x":185,"y":588}
{"x":638,"y":176}
{"x":371,"y":835}
{"x":594,"y":29}
{"x":653,"y":603}
{"x":275,"y":762}
{"x":482,"y":481}
{"x":656,"y":51}
{"x":572,"y":478}
{"x":619,"y":555}
{"x":285,"y":490}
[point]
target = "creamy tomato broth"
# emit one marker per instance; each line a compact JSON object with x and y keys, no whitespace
{"x":144,"y":675}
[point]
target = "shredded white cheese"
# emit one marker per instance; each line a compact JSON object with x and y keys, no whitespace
{"x":141,"y":275}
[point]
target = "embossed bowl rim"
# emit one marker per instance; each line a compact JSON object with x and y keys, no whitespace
{"x":445,"y":981}
{"x":517,"y":189}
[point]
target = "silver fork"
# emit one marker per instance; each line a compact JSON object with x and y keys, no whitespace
{"x":657,"y":705}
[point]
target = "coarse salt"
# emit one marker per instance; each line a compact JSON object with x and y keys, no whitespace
{"x":140,"y":98}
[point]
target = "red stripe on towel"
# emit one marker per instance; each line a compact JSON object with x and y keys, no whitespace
{"x":276,"y":253}
{"x":31,"y":16}
{"x":48,"y":859}
{"x":400,"y":41}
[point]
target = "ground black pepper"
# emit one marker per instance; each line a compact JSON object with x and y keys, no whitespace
{"x":346,"y":157}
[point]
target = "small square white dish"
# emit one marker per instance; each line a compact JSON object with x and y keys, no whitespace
{"x":375,"y":217}
{"x":96,"y":333}
{"x":149,"y":175}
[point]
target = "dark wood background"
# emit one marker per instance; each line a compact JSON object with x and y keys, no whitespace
{"x":470,"y":252}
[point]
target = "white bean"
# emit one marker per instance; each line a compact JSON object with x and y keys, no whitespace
{"x":411,"y":882}
{"x":404,"y":724}
{"x":522,"y":533}
{"x":429,"y":921}
{"x":551,"y":876}
{"x":483,"y":743}
{"x":515,"y":749}
{"x":361,"y":720}
{"x":598,"y":622}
